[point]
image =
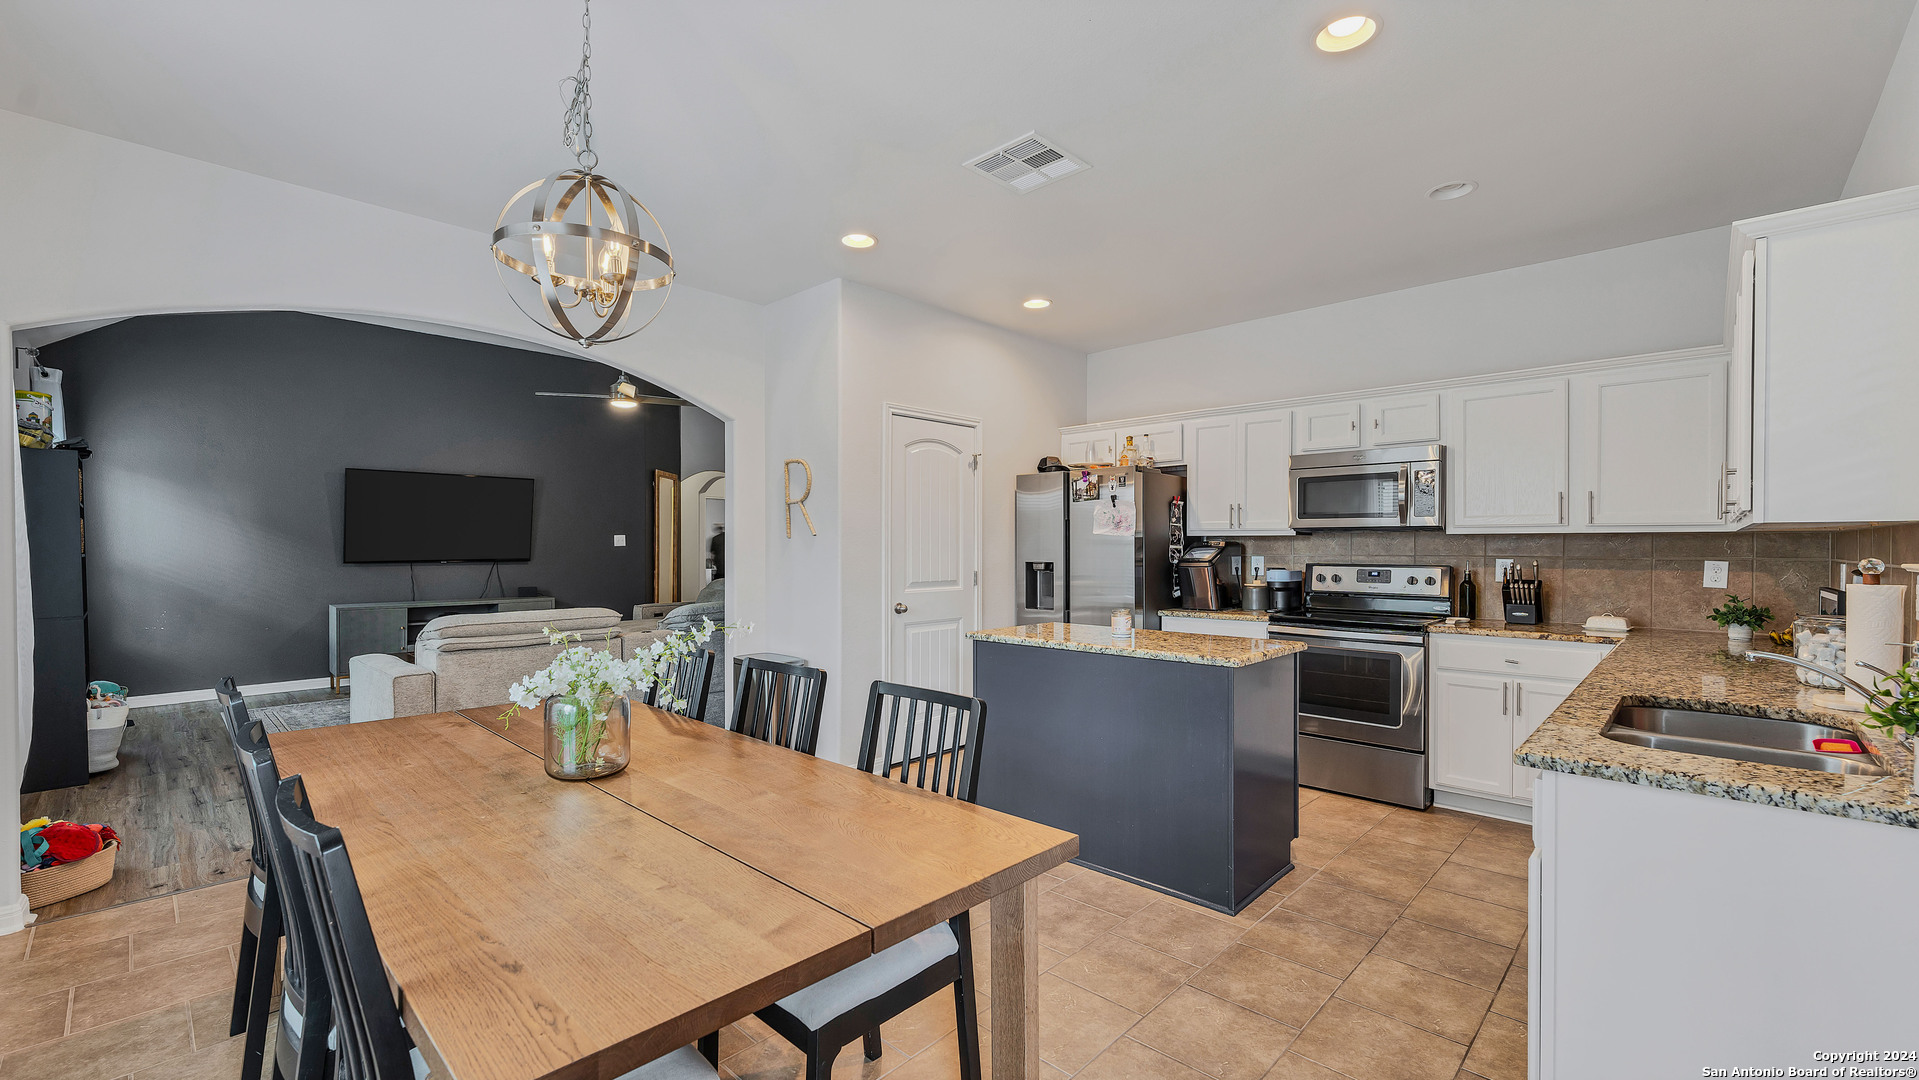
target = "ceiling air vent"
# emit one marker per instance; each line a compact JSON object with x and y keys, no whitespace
{"x":1026,"y":163}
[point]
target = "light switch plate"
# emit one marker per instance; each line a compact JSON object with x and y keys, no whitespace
{"x":1715,"y":574}
{"x":619,"y":539}
{"x":1259,"y":566}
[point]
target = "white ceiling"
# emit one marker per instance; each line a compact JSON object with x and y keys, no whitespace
{"x":1236,"y":171}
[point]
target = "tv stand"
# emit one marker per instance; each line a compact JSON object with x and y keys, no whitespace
{"x":390,"y":627}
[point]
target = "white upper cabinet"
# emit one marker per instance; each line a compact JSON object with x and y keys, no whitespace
{"x":1333,"y":426}
{"x":1266,"y":500}
{"x":1089,"y":447}
{"x":1649,"y":445}
{"x":1508,"y":455}
{"x":1236,"y":479}
{"x":1214,"y":481}
{"x":1835,"y":360}
{"x":1164,"y":442}
{"x":1399,"y":421}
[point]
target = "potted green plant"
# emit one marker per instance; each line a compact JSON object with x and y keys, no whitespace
{"x":1897,"y":712}
{"x":1740,"y":618}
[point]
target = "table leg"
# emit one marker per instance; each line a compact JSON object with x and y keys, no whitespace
{"x":1016,"y":982}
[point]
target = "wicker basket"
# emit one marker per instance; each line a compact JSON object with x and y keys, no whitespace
{"x":52,"y":884}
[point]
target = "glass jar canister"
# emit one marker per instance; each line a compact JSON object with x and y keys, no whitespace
{"x":587,"y":736}
{"x":1820,"y":639}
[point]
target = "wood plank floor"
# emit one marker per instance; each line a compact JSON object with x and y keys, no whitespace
{"x":175,"y":800}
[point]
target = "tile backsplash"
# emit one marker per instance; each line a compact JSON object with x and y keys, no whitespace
{"x":1652,"y":579}
{"x":1893,"y":545}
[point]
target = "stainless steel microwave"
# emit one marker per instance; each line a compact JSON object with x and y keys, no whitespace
{"x":1401,"y":487}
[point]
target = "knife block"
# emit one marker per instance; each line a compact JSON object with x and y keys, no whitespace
{"x":1523,"y":612}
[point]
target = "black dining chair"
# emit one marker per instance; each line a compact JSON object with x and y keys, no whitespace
{"x":931,"y":740}
{"x":373,"y":1041}
{"x":778,"y":703}
{"x":260,"y":928}
{"x":306,"y":1012}
{"x":690,"y":680}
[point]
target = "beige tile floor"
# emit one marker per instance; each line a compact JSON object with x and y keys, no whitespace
{"x":1395,"y":952}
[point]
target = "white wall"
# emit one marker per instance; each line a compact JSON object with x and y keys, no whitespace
{"x":902,"y":352}
{"x":1889,"y":155}
{"x":803,"y":419}
{"x":1662,"y":294}
{"x":101,"y":228}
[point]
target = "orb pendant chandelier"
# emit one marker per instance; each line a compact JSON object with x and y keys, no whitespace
{"x":570,"y":247}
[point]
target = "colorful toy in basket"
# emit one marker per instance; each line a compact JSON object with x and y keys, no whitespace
{"x":45,"y":842}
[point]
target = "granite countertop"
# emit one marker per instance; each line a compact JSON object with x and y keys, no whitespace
{"x":1149,"y":644}
{"x":1685,"y":669}
{"x":1234,"y":614}
{"x":1539,"y":632}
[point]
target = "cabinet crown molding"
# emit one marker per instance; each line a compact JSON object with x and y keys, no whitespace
{"x":1456,"y":383}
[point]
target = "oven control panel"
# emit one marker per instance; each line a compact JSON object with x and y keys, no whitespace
{"x":1381,"y":580}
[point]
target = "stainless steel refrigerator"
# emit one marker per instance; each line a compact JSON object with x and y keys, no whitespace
{"x":1087,"y":541}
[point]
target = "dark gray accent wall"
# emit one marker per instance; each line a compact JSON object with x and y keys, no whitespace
{"x":213,"y":495}
{"x":702,"y":442}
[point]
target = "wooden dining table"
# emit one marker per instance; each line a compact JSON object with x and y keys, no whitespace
{"x":535,"y":927}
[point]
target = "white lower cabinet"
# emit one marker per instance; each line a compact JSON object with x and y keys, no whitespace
{"x":1488,"y":695}
{"x":1471,"y":733}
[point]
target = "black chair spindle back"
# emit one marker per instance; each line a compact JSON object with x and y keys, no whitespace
{"x":691,"y":680}
{"x":938,"y":732}
{"x":373,"y":1045}
{"x":779,"y":703}
{"x":260,"y":777}
{"x":233,"y":713}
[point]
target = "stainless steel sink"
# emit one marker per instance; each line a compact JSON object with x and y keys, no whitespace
{"x":1743,"y":738}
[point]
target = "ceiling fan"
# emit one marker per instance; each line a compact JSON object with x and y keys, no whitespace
{"x":623,"y":395}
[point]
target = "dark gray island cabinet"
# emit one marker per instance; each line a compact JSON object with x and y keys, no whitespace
{"x":1173,"y":756}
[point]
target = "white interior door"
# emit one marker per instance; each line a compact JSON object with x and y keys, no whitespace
{"x":932,"y":544}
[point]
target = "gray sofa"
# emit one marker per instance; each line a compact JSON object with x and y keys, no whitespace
{"x":466,"y":661}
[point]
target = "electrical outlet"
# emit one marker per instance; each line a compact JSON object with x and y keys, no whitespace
{"x":619,"y":539}
{"x":1235,"y":569}
{"x":1499,"y":568}
{"x":1715,"y":574}
{"x":1259,"y":566}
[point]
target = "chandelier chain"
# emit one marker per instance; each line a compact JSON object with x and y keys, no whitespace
{"x":577,"y":131}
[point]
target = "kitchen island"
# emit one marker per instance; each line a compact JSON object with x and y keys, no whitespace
{"x":1688,"y":910}
{"x":1173,"y":756}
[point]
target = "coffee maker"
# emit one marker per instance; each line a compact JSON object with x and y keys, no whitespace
{"x":1206,"y":578}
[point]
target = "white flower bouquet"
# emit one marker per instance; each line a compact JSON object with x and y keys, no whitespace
{"x":585,"y":693}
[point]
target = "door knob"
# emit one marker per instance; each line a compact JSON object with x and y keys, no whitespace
{"x":899,"y":609}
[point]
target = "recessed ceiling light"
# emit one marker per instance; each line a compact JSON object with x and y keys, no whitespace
{"x":857,"y":240}
{"x":1038,"y":302}
{"x":1456,"y":190}
{"x":1348,"y":33}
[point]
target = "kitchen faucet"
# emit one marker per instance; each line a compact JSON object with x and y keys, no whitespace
{"x":1871,"y":695}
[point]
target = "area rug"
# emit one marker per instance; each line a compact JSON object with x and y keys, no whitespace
{"x":305,"y":714}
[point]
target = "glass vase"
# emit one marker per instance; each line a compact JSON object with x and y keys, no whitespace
{"x":586,"y":737}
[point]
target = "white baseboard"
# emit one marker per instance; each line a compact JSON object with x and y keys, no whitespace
{"x":1485,"y":806}
{"x":141,"y":701}
{"x":16,"y":916}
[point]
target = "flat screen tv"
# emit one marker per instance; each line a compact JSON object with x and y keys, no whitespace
{"x":421,"y":517}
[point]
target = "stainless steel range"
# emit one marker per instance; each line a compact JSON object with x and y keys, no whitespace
{"x":1362,"y":678}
